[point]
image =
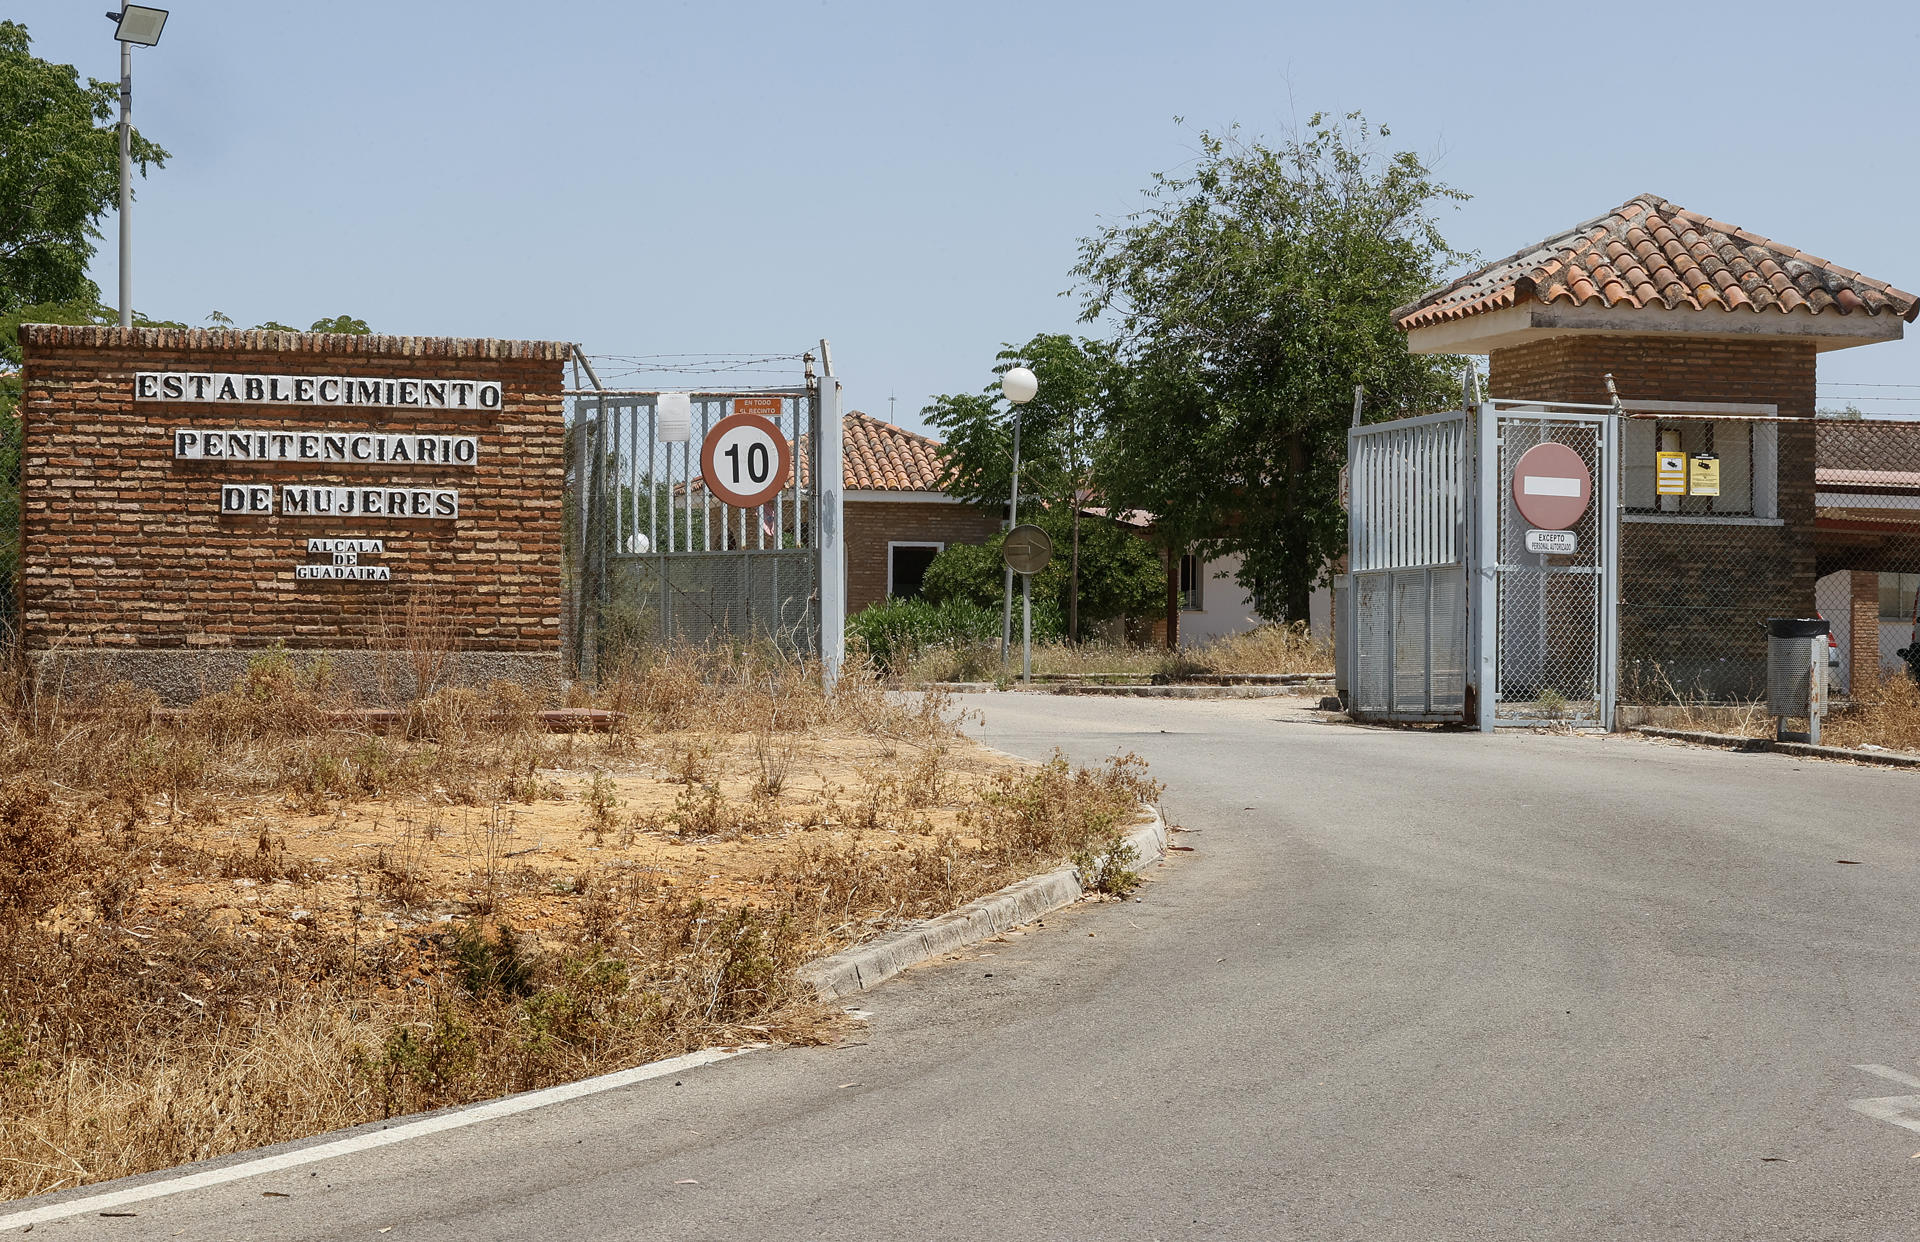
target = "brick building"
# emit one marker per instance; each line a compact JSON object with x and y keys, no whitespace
{"x":1712,"y":336}
{"x":190,"y":497}
{"x":898,"y":517}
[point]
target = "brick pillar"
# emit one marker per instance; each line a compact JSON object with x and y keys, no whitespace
{"x":1863,"y":633}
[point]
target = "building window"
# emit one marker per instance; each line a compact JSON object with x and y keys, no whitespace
{"x":1897,"y":596}
{"x":907,"y":568}
{"x":1190,"y":580}
{"x":1748,"y":460}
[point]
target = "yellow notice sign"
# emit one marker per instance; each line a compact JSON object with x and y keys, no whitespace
{"x":1670,"y":474}
{"x":1703,"y":479}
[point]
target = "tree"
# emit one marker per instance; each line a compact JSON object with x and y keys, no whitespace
{"x":1059,"y":437}
{"x":1119,"y":574}
{"x":1252,"y":293}
{"x":59,"y":173}
{"x":346,"y":324}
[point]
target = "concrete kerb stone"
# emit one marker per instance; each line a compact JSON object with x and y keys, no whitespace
{"x":863,"y":966}
{"x":1729,"y":741}
{"x":1182,"y":692}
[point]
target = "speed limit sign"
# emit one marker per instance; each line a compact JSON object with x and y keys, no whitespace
{"x":744,"y":460}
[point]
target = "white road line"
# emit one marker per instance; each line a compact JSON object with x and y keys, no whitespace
{"x":1884,"y":1071}
{"x":378,"y":1138}
{"x":1895,"y":1110}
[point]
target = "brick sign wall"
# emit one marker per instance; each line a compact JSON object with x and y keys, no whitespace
{"x":205,"y":490}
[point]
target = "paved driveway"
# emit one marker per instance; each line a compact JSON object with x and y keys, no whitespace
{"x":1407,"y":986}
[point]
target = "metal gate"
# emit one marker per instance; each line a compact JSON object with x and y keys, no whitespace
{"x":1446,"y":616}
{"x":1410,"y":489}
{"x":655,"y":561}
{"x":1547,"y":621}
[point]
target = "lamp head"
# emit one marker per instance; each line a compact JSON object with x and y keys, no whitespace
{"x":1019,"y":385}
{"x":138,"y":24}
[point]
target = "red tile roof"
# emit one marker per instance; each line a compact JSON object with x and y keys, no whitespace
{"x":1649,"y":254}
{"x":1871,"y":454}
{"x":877,"y":456}
{"x":881,"y":457}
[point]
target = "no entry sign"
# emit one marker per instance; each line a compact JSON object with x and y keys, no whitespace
{"x":745,"y":461}
{"x":1551,"y":486}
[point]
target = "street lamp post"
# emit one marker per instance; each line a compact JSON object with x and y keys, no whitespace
{"x":135,"y":25}
{"x":1018,"y":386}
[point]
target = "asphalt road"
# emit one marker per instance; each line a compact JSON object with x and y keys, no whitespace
{"x":1423,"y":986}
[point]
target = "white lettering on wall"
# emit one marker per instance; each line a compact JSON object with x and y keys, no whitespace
{"x":239,"y":388}
{"x":342,"y":446}
{"x":433,"y":504}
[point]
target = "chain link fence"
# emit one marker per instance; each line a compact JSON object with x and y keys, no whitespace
{"x":1550,"y":602}
{"x":1807,"y":516}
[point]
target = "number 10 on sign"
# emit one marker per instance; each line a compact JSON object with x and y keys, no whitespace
{"x":745,"y":461}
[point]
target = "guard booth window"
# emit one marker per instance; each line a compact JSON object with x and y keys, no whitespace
{"x":907,"y":568}
{"x":1745,"y":447}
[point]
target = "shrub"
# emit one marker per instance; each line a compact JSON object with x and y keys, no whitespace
{"x":894,"y":631}
{"x":1120,"y":573}
{"x":1109,"y":864}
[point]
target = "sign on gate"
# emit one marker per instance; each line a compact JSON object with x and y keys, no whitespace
{"x":1482,"y":578}
{"x":745,"y":461}
{"x":1551,"y":486}
{"x":1553,"y":542}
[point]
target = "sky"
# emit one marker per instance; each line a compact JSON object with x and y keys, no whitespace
{"x":707,"y":184}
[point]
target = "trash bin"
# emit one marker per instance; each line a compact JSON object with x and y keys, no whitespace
{"x":1796,"y":674}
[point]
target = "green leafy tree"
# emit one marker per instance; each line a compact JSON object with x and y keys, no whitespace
{"x":346,"y":324}
{"x":1059,"y":438}
{"x":59,"y":173}
{"x":1252,"y":292}
{"x":1120,"y":576}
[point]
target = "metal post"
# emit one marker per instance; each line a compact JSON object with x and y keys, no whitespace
{"x":828,"y":485}
{"x":126,"y":185}
{"x":1013,"y":520}
{"x":1026,"y":628}
{"x":1609,"y":528}
{"x":1485,"y":578}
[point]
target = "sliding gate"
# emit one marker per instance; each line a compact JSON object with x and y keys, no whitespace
{"x":1459,"y":607}
{"x":1409,"y":487}
{"x":655,"y":561}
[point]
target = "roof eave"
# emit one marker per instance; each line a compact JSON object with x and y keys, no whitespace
{"x":1533,"y":321}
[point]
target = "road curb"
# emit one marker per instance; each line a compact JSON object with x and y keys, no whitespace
{"x":1756,"y":745}
{"x":863,"y":966}
{"x":1183,"y":692}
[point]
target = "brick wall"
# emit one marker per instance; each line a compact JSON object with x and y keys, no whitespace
{"x":125,"y":547}
{"x":872,"y":524}
{"x":1694,"y":596}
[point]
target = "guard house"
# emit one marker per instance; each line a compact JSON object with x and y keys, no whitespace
{"x":1712,"y":335}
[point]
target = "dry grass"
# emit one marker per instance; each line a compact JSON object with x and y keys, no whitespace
{"x":261,"y":920}
{"x":1883,"y":713}
{"x":1268,"y":649}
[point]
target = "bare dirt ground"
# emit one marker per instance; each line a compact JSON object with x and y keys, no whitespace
{"x":380,"y":869}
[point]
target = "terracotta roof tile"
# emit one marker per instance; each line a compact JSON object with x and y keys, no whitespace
{"x":877,"y":456}
{"x":1650,"y":253}
{"x":881,"y":457}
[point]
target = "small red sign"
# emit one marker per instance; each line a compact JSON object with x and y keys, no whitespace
{"x":1552,"y":486}
{"x":765,"y":407}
